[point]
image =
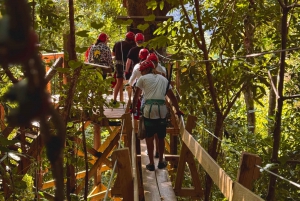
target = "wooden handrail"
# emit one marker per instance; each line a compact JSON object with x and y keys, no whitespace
{"x":133,"y":159}
{"x":230,"y":189}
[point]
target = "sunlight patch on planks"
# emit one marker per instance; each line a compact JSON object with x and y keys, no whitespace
{"x":157,"y":185}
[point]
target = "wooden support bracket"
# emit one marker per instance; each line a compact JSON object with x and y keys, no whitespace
{"x":124,"y":169}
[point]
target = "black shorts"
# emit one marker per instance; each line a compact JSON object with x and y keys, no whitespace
{"x":119,"y":71}
{"x":158,"y":126}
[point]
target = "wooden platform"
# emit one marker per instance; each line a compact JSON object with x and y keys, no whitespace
{"x":157,"y":185}
{"x":117,"y":111}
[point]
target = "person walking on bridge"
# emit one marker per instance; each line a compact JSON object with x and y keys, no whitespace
{"x":120,"y":51}
{"x":155,"y":87}
{"x":133,"y":54}
{"x":101,"y":54}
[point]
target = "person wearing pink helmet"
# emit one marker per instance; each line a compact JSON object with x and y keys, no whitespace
{"x":100,"y":54}
{"x":154,"y":87}
{"x":133,"y":54}
{"x":120,"y":51}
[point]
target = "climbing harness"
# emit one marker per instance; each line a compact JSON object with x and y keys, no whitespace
{"x":152,"y":102}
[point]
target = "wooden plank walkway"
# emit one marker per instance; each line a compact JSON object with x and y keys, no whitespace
{"x":157,"y":185}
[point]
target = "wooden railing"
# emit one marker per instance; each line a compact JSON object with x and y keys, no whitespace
{"x":232,"y":190}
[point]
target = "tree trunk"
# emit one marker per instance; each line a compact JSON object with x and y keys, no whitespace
{"x":248,"y":44}
{"x":71,"y":179}
{"x":277,"y":126}
{"x":139,"y":8}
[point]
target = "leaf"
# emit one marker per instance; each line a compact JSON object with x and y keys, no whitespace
{"x":96,"y":25}
{"x":83,"y":33}
{"x":63,"y":70}
{"x":143,"y":27}
{"x":161,"y":5}
{"x":74,"y":64}
{"x":81,"y":49}
{"x":183,"y":70}
{"x":70,"y":124}
{"x":151,"y":4}
{"x":149,"y":18}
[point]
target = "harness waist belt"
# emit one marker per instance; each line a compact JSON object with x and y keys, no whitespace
{"x":157,"y":102}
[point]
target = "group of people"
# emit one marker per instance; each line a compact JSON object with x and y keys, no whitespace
{"x":142,"y":69}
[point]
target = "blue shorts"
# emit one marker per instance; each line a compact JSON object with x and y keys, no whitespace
{"x":158,"y":126}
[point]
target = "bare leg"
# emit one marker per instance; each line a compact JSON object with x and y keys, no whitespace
{"x":117,"y":87}
{"x":156,"y":143}
{"x":161,"y":149}
{"x":150,"y":148}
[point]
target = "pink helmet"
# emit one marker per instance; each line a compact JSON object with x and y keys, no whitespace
{"x":130,"y":35}
{"x":103,"y":37}
{"x":152,"y":57}
{"x":143,"y":54}
{"x":139,"y":38}
{"x":146,"y":64}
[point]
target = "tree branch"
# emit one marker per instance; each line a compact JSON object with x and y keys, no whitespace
{"x":282,"y":5}
{"x":191,"y":25}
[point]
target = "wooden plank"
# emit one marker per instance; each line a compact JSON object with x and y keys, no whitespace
{"x":165,"y":186}
{"x":96,"y":65}
{"x":99,"y":162}
{"x":240,"y":193}
{"x":151,"y":191}
{"x":124,"y":169}
{"x":137,"y":186}
{"x":248,"y":171}
{"x":218,"y":175}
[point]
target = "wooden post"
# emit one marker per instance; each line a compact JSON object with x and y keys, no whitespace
{"x":97,"y":144}
{"x":186,"y":156}
{"x":248,"y":172}
{"x":124,"y":169}
{"x":178,"y":76}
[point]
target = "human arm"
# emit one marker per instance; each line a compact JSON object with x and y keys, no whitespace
{"x":128,"y":64}
{"x":109,"y":58}
{"x":137,"y":94}
{"x":90,"y":56}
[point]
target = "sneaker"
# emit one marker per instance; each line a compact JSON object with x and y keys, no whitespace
{"x":156,"y":155}
{"x":114,"y":102}
{"x":162,"y":165}
{"x":150,"y":167}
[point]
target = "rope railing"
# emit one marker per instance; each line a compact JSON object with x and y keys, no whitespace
{"x":231,"y":58}
{"x":238,"y":153}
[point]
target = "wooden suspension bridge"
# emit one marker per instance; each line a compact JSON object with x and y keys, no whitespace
{"x":133,"y":182}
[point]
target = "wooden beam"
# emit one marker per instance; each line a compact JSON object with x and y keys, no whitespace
{"x":124,"y":169}
{"x":99,"y":161}
{"x":248,"y":171}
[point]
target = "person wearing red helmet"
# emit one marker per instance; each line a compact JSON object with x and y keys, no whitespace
{"x":120,"y":51}
{"x":154,"y":87}
{"x":159,"y":69}
{"x":100,"y":54}
{"x":133,"y":54}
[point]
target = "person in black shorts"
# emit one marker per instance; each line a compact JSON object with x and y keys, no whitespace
{"x":133,"y":55}
{"x":154,"y":110}
{"x":120,"y":51}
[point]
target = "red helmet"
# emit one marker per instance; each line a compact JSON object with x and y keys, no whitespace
{"x":143,"y":54}
{"x":152,"y":57}
{"x":130,"y":35}
{"x":146,"y":64}
{"x":139,"y":38}
{"x":103,"y":37}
